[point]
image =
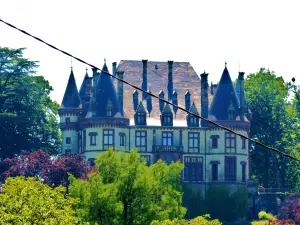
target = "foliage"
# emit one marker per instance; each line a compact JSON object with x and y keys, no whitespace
{"x":290,"y":209}
{"x":194,"y":202}
{"x":262,"y":215}
{"x":27,"y":114}
{"x":203,"y":220}
{"x":275,"y":122}
{"x":226,"y":206}
{"x":53,"y":171}
{"x":28,"y":201}
{"x":124,"y":190}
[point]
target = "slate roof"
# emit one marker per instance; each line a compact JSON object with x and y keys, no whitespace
{"x":105,"y":91}
{"x":71,"y":97}
{"x":224,"y":97}
{"x":184,"y":79}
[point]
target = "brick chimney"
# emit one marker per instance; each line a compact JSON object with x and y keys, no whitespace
{"x":145,"y":80}
{"x":204,"y":98}
{"x":170,"y":80}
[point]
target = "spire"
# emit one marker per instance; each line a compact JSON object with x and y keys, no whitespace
{"x":71,"y":97}
{"x":161,"y":94}
{"x":224,"y":97}
{"x":85,"y":92}
{"x":82,"y":91}
{"x":106,"y":94}
{"x":175,"y":101}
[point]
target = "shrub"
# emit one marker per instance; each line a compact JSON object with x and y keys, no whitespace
{"x":203,"y":220}
{"x":290,"y":210}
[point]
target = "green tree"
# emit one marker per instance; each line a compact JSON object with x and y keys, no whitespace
{"x":275,"y":122}
{"x":203,"y":220}
{"x":124,"y":190}
{"x":27,"y":113}
{"x":28,"y":201}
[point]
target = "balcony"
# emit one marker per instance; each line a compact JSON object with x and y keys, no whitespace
{"x":167,"y":148}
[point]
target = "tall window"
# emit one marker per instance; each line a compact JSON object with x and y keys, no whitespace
{"x":67,"y":119}
{"x":68,"y":140}
{"x":167,"y":118}
{"x":122,"y":139}
{"x":108,"y":139}
{"x":193,"y":142}
{"x":230,"y":142}
{"x":93,"y":138}
{"x":109,"y":108}
{"x":167,"y":138}
{"x":215,"y":172}
{"x":244,"y":172}
{"x":243,"y":143}
{"x":193,"y":169}
{"x":230,"y":168}
{"x":141,"y":141}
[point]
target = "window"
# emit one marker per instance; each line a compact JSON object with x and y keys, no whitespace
{"x":243,"y":143}
{"x":167,"y":119}
{"x":141,"y":141}
{"x":167,"y":138}
{"x":93,"y":136}
{"x":244,"y":172}
{"x":68,"y":140}
{"x":215,"y":172}
{"x":84,"y":141}
{"x":230,"y":168}
{"x":214,"y":141}
{"x":230,"y":142}
{"x":68,"y":151}
{"x":193,"y":121}
{"x":122,"y":139}
{"x":193,"y":169}
{"x":109,"y":108}
{"x":67,"y":119}
{"x":109,"y":112}
{"x":141,"y":118}
{"x":193,"y":142}
{"x":108,"y":139}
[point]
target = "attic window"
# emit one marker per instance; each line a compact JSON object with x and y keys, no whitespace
{"x":141,"y":117}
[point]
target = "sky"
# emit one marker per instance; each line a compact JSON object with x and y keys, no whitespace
{"x":248,"y":35}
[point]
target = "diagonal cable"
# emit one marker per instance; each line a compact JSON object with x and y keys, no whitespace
{"x":167,"y":102}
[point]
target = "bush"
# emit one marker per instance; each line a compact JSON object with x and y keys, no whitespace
{"x":203,"y":220}
{"x":290,"y":210}
{"x":262,"y":215}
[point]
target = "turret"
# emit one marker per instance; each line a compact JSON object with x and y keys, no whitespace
{"x":161,"y":103}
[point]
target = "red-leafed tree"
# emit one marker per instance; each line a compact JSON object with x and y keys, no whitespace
{"x":51,"y":170}
{"x":290,"y":210}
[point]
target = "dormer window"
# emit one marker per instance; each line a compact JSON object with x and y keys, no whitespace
{"x":231,"y":110}
{"x":140,"y":115}
{"x":166,"y":117}
{"x":109,"y":108}
{"x":193,"y":121}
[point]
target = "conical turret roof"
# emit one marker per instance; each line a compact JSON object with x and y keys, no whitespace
{"x":224,"y":97}
{"x":106,"y":93}
{"x":71,"y":97}
{"x":82,"y":91}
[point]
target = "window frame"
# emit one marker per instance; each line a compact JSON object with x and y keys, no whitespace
{"x":110,"y":133}
{"x":231,"y":148}
{"x":190,"y":172}
{"x":93,"y":138}
{"x":214,"y":171}
{"x":244,"y":145}
{"x":67,"y":120}
{"x":230,"y":168}
{"x":139,"y":138}
{"x":214,"y":141}
{"x":122,"y":139}
{"x":191,"y":147}
{"x":167,"y":138}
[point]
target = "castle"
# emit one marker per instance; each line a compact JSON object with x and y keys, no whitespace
{"x":106,"y":113}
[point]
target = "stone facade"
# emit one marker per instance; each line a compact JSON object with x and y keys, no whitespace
{"x":97,"y":118}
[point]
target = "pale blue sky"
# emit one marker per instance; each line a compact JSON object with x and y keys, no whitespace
{"x":252,"y":33}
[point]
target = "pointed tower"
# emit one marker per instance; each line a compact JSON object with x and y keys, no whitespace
{"x":71,"y":97}
{"x":69,"y":113}
{"x":135,"y":98}
{"x":107,"y":103}
{"x":225,"y":99}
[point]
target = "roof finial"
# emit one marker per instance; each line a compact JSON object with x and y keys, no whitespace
{"x":225,"y":64}
{"x":86,"y":69}
{"x":104,"y":60}
{"x":71,"y":64}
